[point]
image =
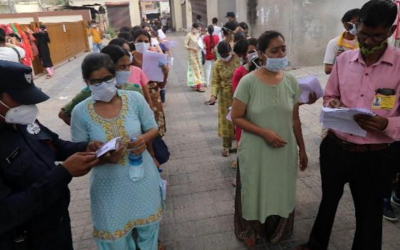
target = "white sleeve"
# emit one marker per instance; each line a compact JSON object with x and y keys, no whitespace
{"x":331,"y":50}
{"x":21,"y":51}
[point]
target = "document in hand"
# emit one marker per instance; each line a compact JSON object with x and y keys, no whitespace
{"x":200,"y":44}
{"x":343,"y":120}
{"x":308,"y":85}
{"x":170,"y":44}
{"x":161,"y":34}
{"x":109,"y":146}
{"x":152,"y":65}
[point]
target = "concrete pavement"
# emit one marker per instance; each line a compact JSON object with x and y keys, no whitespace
{"x":199,"y":207}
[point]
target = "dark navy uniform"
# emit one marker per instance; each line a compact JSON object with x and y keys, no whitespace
{"x":34,"y":194}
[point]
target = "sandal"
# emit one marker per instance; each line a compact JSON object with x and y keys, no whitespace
{"x":200,"y":90}
{"x":225,"y":152}
{"x":160,"y":246}
{"x":234,"y":164}
{"x":209,"y":103}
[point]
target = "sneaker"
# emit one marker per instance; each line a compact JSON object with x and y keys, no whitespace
{"x":395,"y":200}
{"x":388,"y":212}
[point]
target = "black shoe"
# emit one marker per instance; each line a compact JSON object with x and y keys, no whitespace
{"x":388,"y":212}
{"x":395,"y":200}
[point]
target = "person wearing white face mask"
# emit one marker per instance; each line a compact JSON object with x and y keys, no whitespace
{"x":265,"y":106}
{"x":195,"y":73}
{"x":34,"y":190}
{"x":121,"y":60}
{"x":221,"y":89}
{"x":345,"y":41}
{"x":111,"y":113}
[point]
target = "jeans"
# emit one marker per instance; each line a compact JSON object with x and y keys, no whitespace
{"x":97,"y":47}
{"x":208,"y":70}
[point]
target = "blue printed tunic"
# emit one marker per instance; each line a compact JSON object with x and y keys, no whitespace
{"x":119,"y":204}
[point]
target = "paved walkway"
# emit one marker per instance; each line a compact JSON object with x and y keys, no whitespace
{"x":199,"y":211}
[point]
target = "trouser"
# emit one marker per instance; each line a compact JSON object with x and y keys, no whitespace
{"x":227,"y":142}
{"x":147,"y":240}
{"x":208,"y":70}
{"x":59,"y":238}
{"x":367,"y":173}
{"x":97,"y":47}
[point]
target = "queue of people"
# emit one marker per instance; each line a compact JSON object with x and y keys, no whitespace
{"x":249,"y":78}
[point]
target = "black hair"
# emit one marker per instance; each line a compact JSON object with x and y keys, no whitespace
{"x":350,"y":15}
{"x":239,"y":36}
{"x":125,"y":29}
{"x":96,"y":61}
{"x":198,"y":17}
{"x":265,"y":39}
{"x":155,"y":28}
{"x":135,"y":28}
{"x":378,"y":13}
{"x":229,"y":26}
{"x":125,"y":35}
{"x":141,"y":32}
{"x":215,"y":20}
{"x":115,"y":52}
{"x":16,"y":36}
{"x":210,"y":30}
{"x":252,"y":41}
{"x":241,"y":47}
{"x":224,"y":47}
{"x":118,"y":41}
{"x":195,"y":25}
{"x":2,"y":36}
{"x":144,"y":25}
{"x":244,"y":26}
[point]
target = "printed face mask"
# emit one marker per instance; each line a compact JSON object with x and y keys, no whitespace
{"x":142,"y":47}
{"x":276,"y":64}
{"x":104,"y":92}
{"x":22,"y":115}
{"x":122,"y":77}
{"x":369,"y":51}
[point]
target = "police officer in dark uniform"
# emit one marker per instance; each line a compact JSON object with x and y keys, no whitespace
{"x":34,"y":194}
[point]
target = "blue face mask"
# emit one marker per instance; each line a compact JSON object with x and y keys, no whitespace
{"x":276,"y":64}
{"x":122,"y":77}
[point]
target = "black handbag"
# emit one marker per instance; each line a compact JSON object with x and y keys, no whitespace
{"x":160,"y":150}
{"x":203,"y":58}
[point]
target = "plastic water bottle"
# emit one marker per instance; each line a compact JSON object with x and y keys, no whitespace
{"x":136,"y":168}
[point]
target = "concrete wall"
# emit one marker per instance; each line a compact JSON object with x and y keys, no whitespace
{"x":28,"y":7}
{"x":226,"y":6}
{"x":307,"y":25}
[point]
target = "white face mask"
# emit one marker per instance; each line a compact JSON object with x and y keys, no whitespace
{"x":252,"y":56}
{"x":130,"y":57}
{"x":142,"y":47}
{"x":227,"y":59}
{"x":353,"y":30}
{"x":276,"y":64}
{"x":154,"y":42}
{"x":121,"y":77}
{"x":22,"y":115}
{"x":104,"y":92}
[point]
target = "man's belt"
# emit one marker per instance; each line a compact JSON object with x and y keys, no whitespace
{"x":358,"y":148}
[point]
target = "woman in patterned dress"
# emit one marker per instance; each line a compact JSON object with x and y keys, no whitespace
{"x":195,"y":74}
{"x":221,"y":85}
{"x":119,"y":203}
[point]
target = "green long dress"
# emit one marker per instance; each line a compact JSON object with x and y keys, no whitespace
{"x":268,"y":175}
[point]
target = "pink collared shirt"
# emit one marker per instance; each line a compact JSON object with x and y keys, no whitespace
{"x":355,"y":85}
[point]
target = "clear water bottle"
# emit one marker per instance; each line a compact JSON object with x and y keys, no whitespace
{"x":136,"y":168}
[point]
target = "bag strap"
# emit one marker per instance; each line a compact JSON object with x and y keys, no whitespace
{"x":19,"y":56}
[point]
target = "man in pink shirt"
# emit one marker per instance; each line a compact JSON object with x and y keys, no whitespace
{"x":364,"y":78}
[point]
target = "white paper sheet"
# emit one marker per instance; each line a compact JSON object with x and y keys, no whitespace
{"x":161,"y":34}
{"x":343,"y":120}
{"x":200,"y":44}
{"x":109,"y":146}
{"x":152,"y":65}
{"x":308,"y":85}
{"x":170,"y":44}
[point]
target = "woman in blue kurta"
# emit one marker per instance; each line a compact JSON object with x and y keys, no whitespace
{"x":118,"y":203}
